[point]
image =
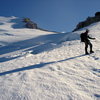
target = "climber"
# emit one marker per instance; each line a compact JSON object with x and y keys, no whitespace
{"x":85,"y":38}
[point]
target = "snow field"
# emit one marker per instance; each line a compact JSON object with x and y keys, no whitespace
{"x":48,"y":69}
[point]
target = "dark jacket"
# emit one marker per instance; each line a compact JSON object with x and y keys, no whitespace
{"x":85,"y":37}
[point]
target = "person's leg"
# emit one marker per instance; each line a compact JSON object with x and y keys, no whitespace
{"x":86,"y":47}
{"x":91,"y":51}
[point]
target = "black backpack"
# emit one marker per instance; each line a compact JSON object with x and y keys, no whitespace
{"x":82,"y":37}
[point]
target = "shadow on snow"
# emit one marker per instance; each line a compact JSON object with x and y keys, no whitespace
{"x":4,"y":59}
{"x":36,"y":45}
{"x":36,"y":66}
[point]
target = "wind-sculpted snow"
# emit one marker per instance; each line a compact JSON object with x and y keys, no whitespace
{"x":41,"y":65}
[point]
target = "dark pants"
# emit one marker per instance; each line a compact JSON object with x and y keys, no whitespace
{"x":86,"y":46}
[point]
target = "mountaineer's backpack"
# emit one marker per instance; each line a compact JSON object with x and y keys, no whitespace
{"x":82,"y":37}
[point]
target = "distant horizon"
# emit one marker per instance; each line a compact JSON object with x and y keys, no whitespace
{"x":53,"y":15}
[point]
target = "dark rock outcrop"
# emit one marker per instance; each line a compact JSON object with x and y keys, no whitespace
{"x":29,"y":23}
{"x":88,"y":21}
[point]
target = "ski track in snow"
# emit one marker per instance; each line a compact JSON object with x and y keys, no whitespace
{"x":39,"y":65}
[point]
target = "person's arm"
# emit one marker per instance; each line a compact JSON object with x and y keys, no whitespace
{"x":90,"y":37}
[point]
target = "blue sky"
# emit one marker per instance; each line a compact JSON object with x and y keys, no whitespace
{"x":55,"y":15}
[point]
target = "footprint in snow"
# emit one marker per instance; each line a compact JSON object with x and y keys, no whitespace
{"x":96,"y":72}
{"x":97,"y":95}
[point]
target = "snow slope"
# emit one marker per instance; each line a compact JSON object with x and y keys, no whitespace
{"x":40,"y":65}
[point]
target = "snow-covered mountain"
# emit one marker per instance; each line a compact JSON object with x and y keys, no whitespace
{"x":41,"y":65}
